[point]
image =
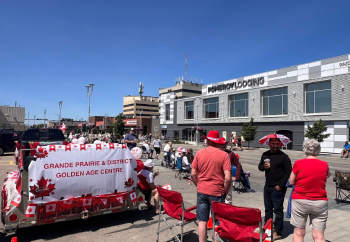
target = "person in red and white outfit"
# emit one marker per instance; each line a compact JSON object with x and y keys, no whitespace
{"x":146,"y":185}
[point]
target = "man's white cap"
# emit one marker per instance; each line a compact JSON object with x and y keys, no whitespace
{"x":132,"y":129}
{"x":146,"y":140}
{"x":148,"y":163}
{"x":184,"y":150}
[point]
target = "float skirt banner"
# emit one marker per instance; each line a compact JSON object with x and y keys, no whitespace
{"x":66,"y":171}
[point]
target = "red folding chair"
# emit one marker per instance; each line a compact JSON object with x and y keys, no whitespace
{"x":174,"y":207}
{"x":238,"y":223}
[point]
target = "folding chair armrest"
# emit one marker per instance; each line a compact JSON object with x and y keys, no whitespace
{"x":191,"y":208}
{"x":267,"y":224}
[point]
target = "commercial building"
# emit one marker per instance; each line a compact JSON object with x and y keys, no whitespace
{"x":168,"y":96}
{"x":139,"y":111}
{"x":12,"y":117}
{"x":283,"y":101}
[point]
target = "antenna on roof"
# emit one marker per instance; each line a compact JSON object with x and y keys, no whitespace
{"x":191,"y":80}
{"x":176,"y":81}
{"x":196,"y":79}
{"x":202,"y":81}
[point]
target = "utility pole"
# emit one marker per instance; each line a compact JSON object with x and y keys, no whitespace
{"x":34,"y":119}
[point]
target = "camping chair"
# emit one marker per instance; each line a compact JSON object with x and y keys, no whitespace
{"x":174,"y":207}
{"x":144,"y":152}
{"x":237,"y":185}
{"x":342,"y":186}
{"x":238,"y":223}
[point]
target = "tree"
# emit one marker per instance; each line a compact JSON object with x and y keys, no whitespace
{"x":95,"y":130}
{"x":119,"y":126}
{"x":317,"y":131}
{"x":249,"y":131}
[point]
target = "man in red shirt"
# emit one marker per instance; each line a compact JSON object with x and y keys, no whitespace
{"x":211,"y":173}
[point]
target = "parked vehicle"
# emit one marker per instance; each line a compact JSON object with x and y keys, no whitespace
{"x":7,"y":140}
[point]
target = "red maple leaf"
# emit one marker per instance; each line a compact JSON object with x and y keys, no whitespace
{"x":31,"y":180}
{"x":41,"y":153}
{"x":50,"y":208}
{"x":30,"y":209}
{"x":18,"y":198}
{"x":86,"y":202}
{"x":42,"y":189}
{"x":129,"y":183}
{"x":31,"y":197}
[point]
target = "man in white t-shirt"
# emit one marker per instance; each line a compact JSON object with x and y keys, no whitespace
{"x":146,"y":185}
{"x":148,"y":149}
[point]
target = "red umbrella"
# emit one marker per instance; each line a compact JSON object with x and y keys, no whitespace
{"x":284,"y":140}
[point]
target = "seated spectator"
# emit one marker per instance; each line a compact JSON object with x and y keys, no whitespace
{"x":190,"y":156}
{"x":185,"y":164}
{"x":345,"y":150}
{"x":178,"y":156}
{"x":148,"y":149}
{"x":147,"y":187}
{"x":234,"y":158}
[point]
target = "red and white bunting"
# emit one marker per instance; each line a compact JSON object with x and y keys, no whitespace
{"x":30,"y":212}
{"x":87,"y":202}
{"x":133,"y":197}
{"x":120,"y":200}
{"x":167,"y":186}
{"x":104,"y":200}
{"x":68,"y":202}
{"x":68,"y":148}
{"x":111,"y":146}
{"x":50,"y":208}
{"x":17,"y":200}
{"x":60,"y":148}
{"x":52,"y":148}
{"x":82,"y":147}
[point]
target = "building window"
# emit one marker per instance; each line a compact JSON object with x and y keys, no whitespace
{"x":318,"y":97}
{"x":167,"y":111}
{"x":189,"y":110}
{"x":274,"y":101}
{"x":211,"y":107}
{"x":238,"y":105}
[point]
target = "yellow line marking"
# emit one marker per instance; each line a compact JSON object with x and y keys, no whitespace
{"x":11,"y":162}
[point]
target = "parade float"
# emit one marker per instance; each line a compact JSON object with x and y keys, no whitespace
{"x":61,"y":182}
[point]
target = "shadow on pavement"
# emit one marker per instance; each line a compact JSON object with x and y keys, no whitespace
{"x":288,"y":229}
{"x":57,"y":230}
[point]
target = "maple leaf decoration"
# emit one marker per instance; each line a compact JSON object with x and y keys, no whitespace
{"x":129,"y":183}
{"x":42,"y":189}
{"x":30,"y":210}
{"x":41,"y":153}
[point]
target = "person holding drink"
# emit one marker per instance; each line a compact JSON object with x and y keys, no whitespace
{"x":277,"y":167}
{"x":131,"y":139}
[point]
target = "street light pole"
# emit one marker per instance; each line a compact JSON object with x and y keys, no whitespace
{"x":45,"y":117}
{"x":89,"y":87}
{"x":59,"y":118}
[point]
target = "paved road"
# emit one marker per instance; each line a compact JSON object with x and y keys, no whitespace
{"x":141,"y":225}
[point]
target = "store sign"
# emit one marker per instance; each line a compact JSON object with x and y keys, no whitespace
{"x":344,"y":64}
{"x":164,"y":126}
{"x":131,"y":122}
{"x":236,"y":85}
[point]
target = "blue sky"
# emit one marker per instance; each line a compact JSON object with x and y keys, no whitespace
{"x":49,"y":50}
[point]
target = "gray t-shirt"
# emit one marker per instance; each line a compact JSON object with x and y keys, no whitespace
{"x":157,"y":143}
